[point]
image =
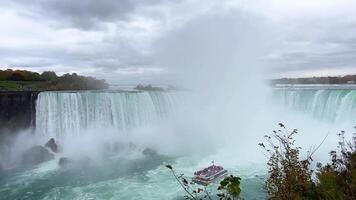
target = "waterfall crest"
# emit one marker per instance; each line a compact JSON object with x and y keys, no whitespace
{"x":61,"y":113}
{"x":326,"y":104}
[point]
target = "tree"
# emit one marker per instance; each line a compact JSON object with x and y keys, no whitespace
{"x":289,"y":176}
{"x":49,"y":76}
{"x":48,"y":80}
{"x":35,"y":77}
{"x":337,"y":180}
{"x":17,"y":77}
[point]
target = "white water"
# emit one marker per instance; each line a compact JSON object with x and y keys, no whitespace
{"x":227,"y":133}
{"x":59,"y":114}
{"x":330,"y":105}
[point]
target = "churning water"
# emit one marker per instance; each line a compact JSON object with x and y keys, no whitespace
{"x":105,"y":133}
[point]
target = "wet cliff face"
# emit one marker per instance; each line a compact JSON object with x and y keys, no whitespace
{"x":17,"y":110}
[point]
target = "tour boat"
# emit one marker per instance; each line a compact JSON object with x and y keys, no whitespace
{"x":209,"y":174}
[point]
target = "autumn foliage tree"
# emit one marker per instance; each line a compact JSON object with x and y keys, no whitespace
{"x":49,"y":80}
{"x":292,"y":177}
{"x":289,"y":175}
{"x":337,"y":179}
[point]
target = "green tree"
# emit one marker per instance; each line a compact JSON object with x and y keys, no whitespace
{"x":35,"y":77}
{"x":17,"y":77}
{"x":49,"y":76}
{"x":289,"y":176}
{"x":337,"y":179}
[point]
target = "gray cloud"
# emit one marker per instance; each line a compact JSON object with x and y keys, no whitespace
{"x":316,"y":44}
{"x":158,"y":40}
{"x":85,"y":14}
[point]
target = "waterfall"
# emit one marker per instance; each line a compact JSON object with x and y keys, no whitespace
{"x":332,"y":105}
{"x":61,"y":113}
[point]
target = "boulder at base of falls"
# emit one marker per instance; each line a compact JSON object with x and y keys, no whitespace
{"x":63,"y":161}
{"x":149,"y":152}
{"x":51,"y":144}
{"x":36,"y":155}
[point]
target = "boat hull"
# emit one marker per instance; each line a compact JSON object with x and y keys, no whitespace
{"x":213,"y":178}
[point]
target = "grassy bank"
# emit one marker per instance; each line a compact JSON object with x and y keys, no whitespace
{"x":22,"y":85}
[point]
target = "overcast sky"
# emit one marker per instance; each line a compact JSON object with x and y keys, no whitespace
{"x":153,"y":41}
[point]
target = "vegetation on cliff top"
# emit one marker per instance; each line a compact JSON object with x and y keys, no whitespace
{"x":22,"y":80}
{"x":148,"y":88}
{"x":349,"y":79}
{"x":292,"y":177}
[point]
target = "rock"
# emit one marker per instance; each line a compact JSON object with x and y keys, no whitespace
{"x":132,"y":146}
{"x":149,"y":152}
{"x":51,"y":144}
{"x":36,"y":155}
{"x":63,"y":161}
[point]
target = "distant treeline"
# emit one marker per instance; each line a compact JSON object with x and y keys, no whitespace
{"x":349,"y":79}
{"x":48,"y":80}
{"x":148,"y":88}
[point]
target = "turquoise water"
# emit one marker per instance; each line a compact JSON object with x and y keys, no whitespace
{"x":81,"y":181}
{"x":328,"y":104}
{"x":59,"y":114}
{"x":104,"y":133}
{"x":77,"y":121}
{"x":119,"y":178}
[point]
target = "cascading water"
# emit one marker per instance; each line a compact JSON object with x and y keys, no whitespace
{"x":333,"y":105}
{"x":61,"y":113}
{"x":109,"y":165}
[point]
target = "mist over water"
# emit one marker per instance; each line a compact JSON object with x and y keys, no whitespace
{"x":222,"y":116}
{"x":186,"y":128}
{"x":225,"y":77}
